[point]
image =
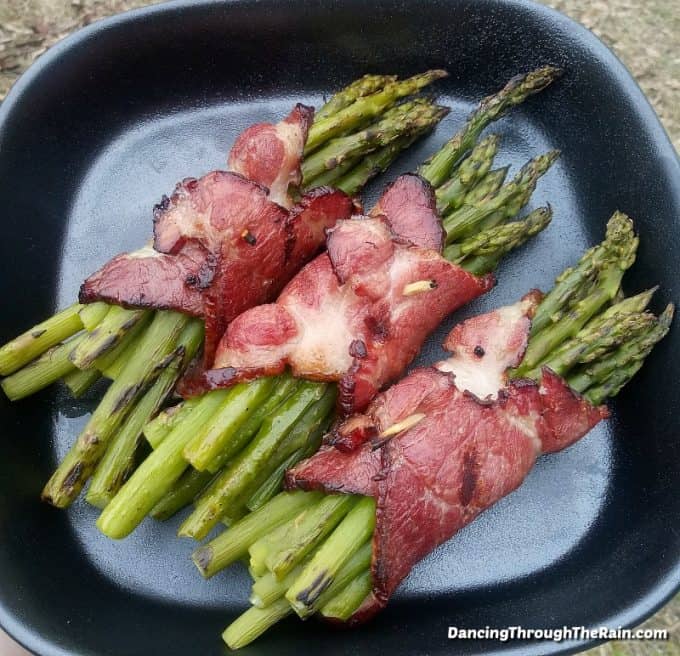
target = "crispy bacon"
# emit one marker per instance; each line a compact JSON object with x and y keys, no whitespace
{"x":270,"y":154}
{"x":147,"y":278}
{"x":464,"y":454}
{"x":411,"y":207}
{"x":225,"y":243}
{"x":348,"y":315}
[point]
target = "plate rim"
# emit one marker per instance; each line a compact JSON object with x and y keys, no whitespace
{"x":636,"y":612}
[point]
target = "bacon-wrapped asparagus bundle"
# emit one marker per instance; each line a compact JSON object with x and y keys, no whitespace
{"x":267,"y":155}
{"x":222,"y":243}
{"x":439,"y":447}
{"x":242,"y":434}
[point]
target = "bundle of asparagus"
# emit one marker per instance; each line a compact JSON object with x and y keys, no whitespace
{"x":144,"y":352}
{"x":372,"y":122}
{"x":311,"y":553}
{"x":229,"y":449}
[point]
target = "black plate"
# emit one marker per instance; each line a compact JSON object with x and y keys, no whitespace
{"x":108,"y":121}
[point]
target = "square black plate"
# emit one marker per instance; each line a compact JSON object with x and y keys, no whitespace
{"x":107,"y":121}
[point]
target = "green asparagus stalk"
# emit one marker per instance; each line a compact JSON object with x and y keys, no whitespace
{"x":250,"y":625}
{"x":78,"y":465}
{"x":93,"y":314}
{"x":80,"y":380}
{"x":466,"y":220}
{"x":159,"y":472}
{"x":451,"y":195}
{"x":343,"y":605}
{"x":273,"y":483}
{"x":364,"y":86}
{"x":119,"y":460}
{"x":621,"y":322}
{"x":365,"y":108}
{"x":236,"y":479}
{"x":486,"y":187}
{"x":481,"y":253}
{"x":188,"y":487}
{"x":233,"y":544}
{"x":438,"y":168}
{"x":406,"y":119}
{"x":36,"y":341}
{"x":284,"y":387}
{"x":158,"y":428}
{"x":115,"y":325}
{"x":622,"y":247}
{"x":570,"y":282}
{"x":304,"y":438}
{"x":112,"y":362}
{"x":267,"y":588}
{"x":346,"y":539}
{"x":214,"y":437}
{"x":287,"y":546}
{"x":330,"y":177}
{"x":635,"y":350}
{"x":254,"y":622}
{"x":47,"y":369}
{"x":373,"y":164}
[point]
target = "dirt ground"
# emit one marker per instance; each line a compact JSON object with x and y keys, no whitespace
{"x":645,"y":34}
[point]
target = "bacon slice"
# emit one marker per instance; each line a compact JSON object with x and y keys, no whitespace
{"x":227,"y":242}
{"x":271,"y":154}
{"x":463,"y":456}
{"x":410,"y":206}
{"x":147,"y":278}
{"x":346,"y":317}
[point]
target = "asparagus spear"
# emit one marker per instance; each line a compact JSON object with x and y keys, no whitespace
{"x":119,"y":460}
{"x":288,"y":545}
{"x":284,"y":387}
{"x":571,"y":281}
{"x":622,"y":247}
{"x":75,"y":469}
{"x":303,"y":440}
{"x":112,"y":362}
{"x":158,"y":428}
{"x":214,"y":437}
{"x":343,"y":605}
{"x":486,"y":187}
{"x":47,"y":369}
{"x":34,"y":342}
{"x":635,"y":350}
{"x":621,"y":322}
{"x":466,"y":220}
{"x":188,"y":487}
{"x":115,"y":325}
{"x":157,"y":474}
{"x":236,"y":479}
{"x":248,"y":626}
{"x":406,"y":119}
{"x":254,"y":622}
{"x":364,"y":86}
{"x":92,"y":314}
{"x":231,"y":545}
{"x":346,"y":539}
{"x":373,"y":164}
{"x":80,"y":380}
{"x":438,"y":167}
{"x":481,"y":253}
{"x":366,"y":108}
{"x":451,"y":195}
